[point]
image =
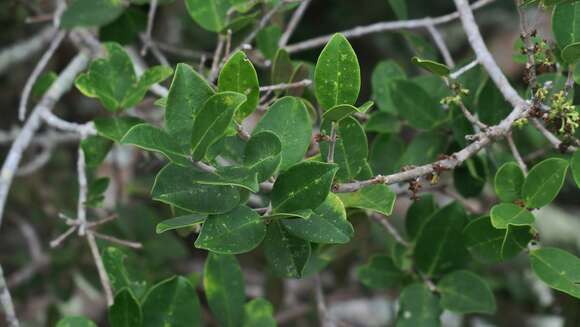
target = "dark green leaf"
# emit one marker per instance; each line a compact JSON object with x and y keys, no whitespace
{"x":85,"y":13}
{"x":126,"y":28}
{"x":386,"y":151}
{"x":491,"y":106}
{"x":233,"y":176}
{"x":571,"y":53}
{"x":575,"y":167}
{"x":150,"y":138}
{"x":43,"y":84}
{"x":380,"y":272}
{"x":267,"y":41}
{"x":384,"y":74}
{"x":544,"y":182}
{"x":383,"y":123}
{"x":172,"y":302}
{"x":416,"y":105}
{"x":115,"y":128}
{"x":287,"y":255}
{"x":263,"y":154}
{"x":557,"y":268}
{"x":400,"y":9}
{"x":565,"y":24}
{"x":114,"y":261}
{"x":418,"y":214}
{"x":432,"y":66}
{"x":465,"y":292}
{"x":96,"y":149}
{"x":470,"y":178}
{"x":126,"y":311}
{"x":418,"y":307}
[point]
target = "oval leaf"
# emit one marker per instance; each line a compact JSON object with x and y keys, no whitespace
{"x":432,"y":66}
{"x":418,"y":307}
{"x":557,"y":268}
{"x":508,"y":181}
{"x":380,"y":272}
{"x":465,"y":292}
{"x":263,"y":154}
{"x":179,"y":222}
{"x":172,"y":302}
{"x":505,"y":214}
{"x":544,"y":182}
{"x":239,"y":75}
{"x":287,"y":254}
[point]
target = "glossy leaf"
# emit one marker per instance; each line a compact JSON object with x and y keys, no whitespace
{"x":351,"y":148}
{"x":379,"y":198}
{"x":213,"y":120}
{"x":465,"y":292}
{"x":544,"y":182}
{"x":431,"y":66}
{"x":150,"y":138}
{"x":327,"y":225}
{"x":418,"y":307}
{"x":380,"y":272}
{"x":416,"y":105}
{"x":175,"y":185}
{"x":287,"y":255}
{"x":187,"y":94}
{"x":172,"y":302}
{"x":505,"y":214}
{"x":304,"y":186}
{"x":239,"y":75}
{"x":337,"y":74}
{"x":259,"y":313}
{"x":509,"y":180}
{"x":288,"y":118}
{"x":179,"y":222}
{"x":238,"y":231}
{"x":115,"y":128}
{"x":126,"y":311}
{"x":263,"y":154}
{"x":557,"y":268}
{"x":443,"y":229}
{"x":85,"y":13}
{"x":224,"y":287}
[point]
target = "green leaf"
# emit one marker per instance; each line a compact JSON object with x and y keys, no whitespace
{"x":508,"y":181}
{"x":424,"y":148}
{"x":575,"y":166}
{"x":149,"y":138}
{"x":238,"y":231}
{"x":400,"y":9}
{"x":505,"y":214}
{"x":380,"y":272}
{"x":565,"y":24}
{"x":384,"y":74}
{"x":418,"y":214}
{"x":288,"y":118}
{"x":439,"y":247}
{"x":339,"y":112}
{"x":491,"y":105}
{"x":490,"y":245}
{"x":267,"y":41}
{"x":327,"y":225}
{"x":114,"y":261}
{"x":416,"y":105}
{"x":304,"y":186}
{"x":84,"y":13}
{"x":282,"y":68}
{"x":431,"y":66}
{"x":259,"y":313}
{"x":418,"y":307}
{"x":544,"y":182}
{"x":383,"y":123}
{"x":172,"y":302}
{"x":233,"y":176}
{"x":302,"y":214}
{"x":571,"y":53}
{"x":43,"y":83}
{"x":263,"y":154}
{"x":209,"y":14}
{"x":465,"y":292}
{"x":113,"y":81}
{"x":557,"y":268}
{"x":287,"y":255}
{"x":386,"y":151}
{"x":126,"y":311}
{"x":176,"y":186}
{"x":337,"y":74}
{"x":126,"y":28}
{"x":96,"y":192}
{"x":187,"y":94}
{"x":213,"y":120}
{"x":379,"y":198}
{"x":351,"y":148}
{"x":179,"y":222}
{"x":470,"y":178}
{"x":75,"y":321}
{"x":96,"y":149}
{"x":238,"y":75}
{"x":115,"y":128}
{"x":224,"y":287}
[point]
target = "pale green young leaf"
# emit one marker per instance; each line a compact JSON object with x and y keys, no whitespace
{"x":150,"y":138}
{"x":126,"y":311}
{"x":508,"y":181}
{"x":327,"y":225}
{"x":379,"y":198}
{"x":505,"y":214}
{"x":544,"y":182}
{"x":351,"y":148}
{"x":337,"y":75}
{"x":239,"y":75}
{"x":213,"y":120}
{"x":303,"y":186}
{"x":418,"y":307}
{"x":224,"y":288}
{"x":288,"y":118}
{"x":89,"y":13}
{"x":115,"y":128}
{"x":263,"y":154}
{"x":238,"y":231}
{"x":464,"y":292}
{"x":187,"y":94}
{"x":259,"y":313}
{"x":172,"y":302}
{"x":416,"y":106}
{"x":287,"y":255}
{"x":176,"y":186}
{"x":380,"y":272}
{"x":557,"y":268}
{"x":179,"y":222}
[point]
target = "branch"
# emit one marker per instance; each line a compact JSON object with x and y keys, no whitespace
{"x":516,"y":153}
{"x":6,"y":302}
{"x":440,"y":43}
{"x":105,"y":282}
{"x":150,"y":22}
{"x":296,"y":17}
{"x":384,"y":221}
{"x":382,"y":27}
{"x":456,"y":74}
{"x":285,"y":86}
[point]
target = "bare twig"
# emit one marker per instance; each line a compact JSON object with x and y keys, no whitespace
{"x":55,"y":43}
{"x":150,"y":22}
{"x":456,"y":74}
{"x":83,"y":192}
{"x":332,"y":143}
{"x":215,"y":65}
{"x":112,"y":239}
{"x":382,"y":27}
{"x":293,"y":23}
{"x":178,"y":51}
{"x":285,"y":86}
{"x":323,"y":316}
{"x":516,"y":153}
{"x":6,"y":302}
{"x":62,"y":237}
{"x":384,"y":221}
{"x":440,"y":43}
{"x":105,"y":282}
{"x":265,"y":19}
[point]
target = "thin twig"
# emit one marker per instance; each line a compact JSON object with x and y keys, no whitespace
{"x":178,"y":51}
{"x":384,"y":221}
{"x":265,"y":19}
{"x":440,"y":43}
{"x":516,"y":153}
{"x":456,"y":74}
{"x":112,"y":239}
{"x":83,"y":192}
{"x":62,"y":237}
{"x":6,"y":302}
{"x":59,"y":36}
{"x":382,"y":27}
{"x":332,"y":143}
{"x":323,"y":316}
{"x":150,"y":22}
{"x":215,"y":65}
{"x":105,"y":282}
{"x":285,"y":86}
{"x":293,"y":23}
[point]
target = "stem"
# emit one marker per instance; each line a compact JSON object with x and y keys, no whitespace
{"x":332,"y":143}
{"x":6,"y":302}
